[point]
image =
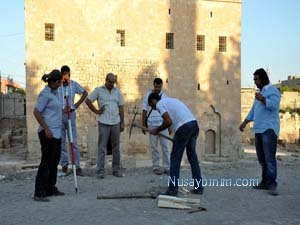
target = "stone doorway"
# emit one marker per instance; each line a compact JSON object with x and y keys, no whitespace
{"x":210,"y":142}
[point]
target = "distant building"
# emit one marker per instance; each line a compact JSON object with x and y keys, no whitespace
{"x":292,"y":82}
{"x":8,"y":85}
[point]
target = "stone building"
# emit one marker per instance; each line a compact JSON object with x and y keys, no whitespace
{"x":193,"y":45}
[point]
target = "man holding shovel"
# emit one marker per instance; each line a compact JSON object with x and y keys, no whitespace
{"x":177,"y":116}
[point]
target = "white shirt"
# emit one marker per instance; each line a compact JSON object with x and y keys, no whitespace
{"x":177,"y":110}
{"x":154,"y":119}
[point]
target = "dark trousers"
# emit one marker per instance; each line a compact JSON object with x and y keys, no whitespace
{"x":47,"y":172}
{"x":185,"y":137}
{"x":266,"y":145}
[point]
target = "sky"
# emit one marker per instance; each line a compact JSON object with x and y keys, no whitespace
{"x":270,"y":39}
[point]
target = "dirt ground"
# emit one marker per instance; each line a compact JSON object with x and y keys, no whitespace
{"x":225,"y":204}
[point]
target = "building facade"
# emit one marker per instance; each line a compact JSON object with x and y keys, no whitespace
{"x":193,"y":45}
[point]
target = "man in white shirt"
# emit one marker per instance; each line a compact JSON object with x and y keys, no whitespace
{"x":152,"y":119}
{"x":177,"y":116}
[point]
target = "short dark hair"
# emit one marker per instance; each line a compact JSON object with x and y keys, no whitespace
{"x":263,"y":76}
{"x":155,"y":96}
{"x":157,"y":80}
{"x":55,"y":75}
{"x":65,"y":69}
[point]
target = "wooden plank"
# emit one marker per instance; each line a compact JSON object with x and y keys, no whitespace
{"x":165,"y":201}
{"x":179,"y":200}
{"x":173,"y":205}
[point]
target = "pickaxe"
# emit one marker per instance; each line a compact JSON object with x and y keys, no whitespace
{"x":133,"y":124}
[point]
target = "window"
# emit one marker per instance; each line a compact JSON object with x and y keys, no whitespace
{"x":200,"y":42}
{"x":49,"y":31}
{"x":169,"y":40}
{"x":121,"y":37}
{"x":222,"y":43}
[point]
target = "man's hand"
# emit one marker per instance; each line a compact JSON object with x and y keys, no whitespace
{"x":101,"y":110}
{"x":48,"y":133}
{"x":242,"y":126}
{"x":154,"y":131}
{"x":170,"y":130}
{"x":259,"y":97}
{"x":122,"y":127}
{"x":144,"y":131}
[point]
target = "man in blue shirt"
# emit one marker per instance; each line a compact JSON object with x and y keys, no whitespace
{"x":72,"y":88}
{"x":265,"y":115}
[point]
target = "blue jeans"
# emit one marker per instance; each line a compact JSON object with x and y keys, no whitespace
{"x":266,"y":145}
{"x":64,"y":158}
{"x":185,"y":137}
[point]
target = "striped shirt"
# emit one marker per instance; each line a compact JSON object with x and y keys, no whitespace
{"x":154,"y":119}
{"x":111,"y":101}
{"x":70,"y":90}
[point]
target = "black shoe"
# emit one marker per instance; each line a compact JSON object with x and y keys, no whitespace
{"x":55,"y":192}
{"x":169,"y":193}
{"x":118,"y":173}
{"x":64,"y":169}
{"x":157,"y":171}
{"x":198,"y":191}
{"x":58,"y":193}
{"x":260,"y":186}
{"x":40,"y":199}
{"x":100,"y":175}
{"x":273,"y":192}
{"x":79,"y":172}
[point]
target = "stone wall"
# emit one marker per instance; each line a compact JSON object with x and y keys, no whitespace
{"x":289,"y":123}
{"x":12,"y":105}
{"x":86,"y":40}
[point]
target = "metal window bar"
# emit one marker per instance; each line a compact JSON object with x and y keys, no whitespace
{"x":200,"y":42}
{"x":222,"y":44}
{"x":49,"y":31}
{"x":169,"y":40}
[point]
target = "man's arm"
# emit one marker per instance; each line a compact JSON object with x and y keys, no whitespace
{"x":144,"y":116}
{"x":167,"y":122}
{"x":121,"y":113}
{"x":92,"y":107}
{"x":83,"y":96}
{"x":244,"y":124}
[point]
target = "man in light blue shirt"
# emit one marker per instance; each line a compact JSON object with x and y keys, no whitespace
{"x":70,"y":88}
{"x":265,"y":115}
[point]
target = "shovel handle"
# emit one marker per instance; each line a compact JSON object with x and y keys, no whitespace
{"x":148,"y":130}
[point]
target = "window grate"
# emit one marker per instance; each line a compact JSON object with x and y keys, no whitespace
{"x":49,"y":31}
{"x":121,"y":37}
{"x":200,"y":42}
{"x":169,"y":40}
{"x":222,"y":43}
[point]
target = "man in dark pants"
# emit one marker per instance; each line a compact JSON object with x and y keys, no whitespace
{"x":265,"y":115}
{"x":177,"y":116}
